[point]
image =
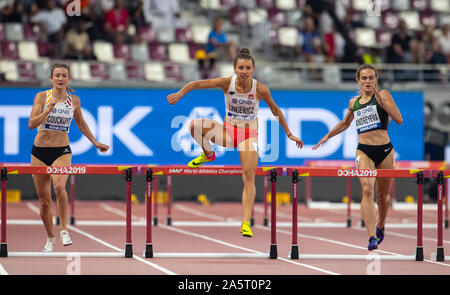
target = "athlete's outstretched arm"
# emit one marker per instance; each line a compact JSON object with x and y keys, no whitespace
{"x":209,"y":83}
{"x":341,"y":126}
{"x":386,"y":101}
{"x":83,"y":126}
{"x":264,"y":92}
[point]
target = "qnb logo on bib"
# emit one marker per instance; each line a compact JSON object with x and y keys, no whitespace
{"x":367,"y":119}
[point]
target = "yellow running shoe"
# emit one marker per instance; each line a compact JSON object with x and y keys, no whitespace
{"x":197,"y":162}
{"x":245,"y":229}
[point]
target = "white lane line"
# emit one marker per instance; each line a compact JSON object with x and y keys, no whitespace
{"x":92,"y":237}
{"x":3,"y":271}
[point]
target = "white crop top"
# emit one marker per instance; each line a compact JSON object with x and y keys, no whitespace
{"x":60,"y":117}
{"x":241,"y":106}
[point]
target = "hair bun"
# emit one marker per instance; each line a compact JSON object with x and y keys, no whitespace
{"x":245,"y":51}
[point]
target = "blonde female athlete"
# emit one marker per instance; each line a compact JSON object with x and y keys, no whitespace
{"x":242,"y":96}
{"x":52,"y":114}
{"x":371,"y":111}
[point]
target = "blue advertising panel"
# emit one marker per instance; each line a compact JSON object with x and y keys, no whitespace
{"x":142,"y":128}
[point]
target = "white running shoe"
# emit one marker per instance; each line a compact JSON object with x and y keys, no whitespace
{"x":49,"y":245}
{"x":65,"y":238}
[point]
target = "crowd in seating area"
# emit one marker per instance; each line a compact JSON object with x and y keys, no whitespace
{"x":157,"y":40}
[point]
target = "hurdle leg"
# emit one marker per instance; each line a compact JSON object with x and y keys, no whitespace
{"x":446,"y":195}
{"x":349,"y":202}
{"x":273,"y":254}
{"x":440,"y":246}
{"x":148,"y":243}
{"x":266,"y":219}
{"x":419,"y":249}
{"x":3,"y":245}
{"x":128,"y":245}
{"x":308,"y":197}
{"x":72,"y":199}
{"x":155,"y":200}
{"x":294,"y":247}
{"x":169,"y":199}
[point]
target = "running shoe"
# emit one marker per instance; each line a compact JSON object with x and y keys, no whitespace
{"x":380,"y":234}
{"x":245,"y":229}
{"x":49,"y":245}
{"x":65,"y":238}
{"x":197,"y":162}
{"x":373,"y":244}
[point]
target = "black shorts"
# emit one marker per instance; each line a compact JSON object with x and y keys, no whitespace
{"x":377,"y":153}
{"x":48,"y":155}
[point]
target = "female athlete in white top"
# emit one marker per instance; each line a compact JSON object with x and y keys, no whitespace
{"x":52,"y":114}
{"x":242,"y":96}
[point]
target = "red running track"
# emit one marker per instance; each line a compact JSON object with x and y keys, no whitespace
{"x":26,"y":233}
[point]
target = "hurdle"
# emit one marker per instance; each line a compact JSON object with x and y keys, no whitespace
{"x":335,"y":172}
{"x":440,"y":175}
{"x":127,"y":171}
{"x":151,"y":171}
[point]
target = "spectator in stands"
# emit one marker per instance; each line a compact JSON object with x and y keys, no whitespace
{"x":309,"y":44}
{"x":218,"y":45}
{"x":371,"y":56}
{"x":117,"y":21}
{"x":400,"y":49}
{"x":77,"y":44}
{"x":137,"y":14}
{"x":444,"y":41}
{"x":437,"y":57}
{"x":163,"y":14}
{"x":52,"y":20}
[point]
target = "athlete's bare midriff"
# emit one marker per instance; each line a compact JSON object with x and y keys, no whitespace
{"x":45,"y":138}
{"x":375,"y":137}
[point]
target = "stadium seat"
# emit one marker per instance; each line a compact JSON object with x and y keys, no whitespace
{"x":183,"y":35}
{"x":200,"y":33}
{"x":28,"y":50}
{"x":99,"y":71}
{"x":42,"y":70}
{"x":212,"y":4}
{"x":103,"y":51}
{"x":444,"y":18}
{"x":372,"y":21}
{"x":365,"y":37}
{"x":390,"y":19}
{"x":80,"y":71}
{"x":147,"y":33}
{"x":265,"y":3}
{"x":45,"y":48}
{"x":179,"y":52}
{"x":121,"y":51}
{"x":135,"y":71}
{"x":359,"y":5}
{"x":2,"y":32}
{"x":117,"y":72}
{"x":440,"y":5}
{"x":225,"y":69}
{"x":331,"y":74}
{"x":249,"y":4}
{"x":32,"y":32}
{"x":165,"y":35}
{"x":157,"y":52}
{"x":9,"y":50}
{"x":419,"y":5}
{"x":154,"y":71}
{"x":228,"y":3}
{"x":428,"y":17}
{"x":238,"y":16}
{"x":139,"y":52}
{"x":276,"y":16}
{"x":26,"y":71}
{"x":383,"y":37}
{"x":9,"y":68}
{"x":286,"y":4}
{"x":411,"y":17}
{"x":14,"y":31}
{"x":400,"y":5}
{"x":257,"y":16}
{"x":293,"y":18}
{"x":173,"y":72}
{"x":288,"y":36}
{"x":190,"y":72}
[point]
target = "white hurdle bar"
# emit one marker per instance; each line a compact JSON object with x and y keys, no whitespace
{"x":67,"y":254}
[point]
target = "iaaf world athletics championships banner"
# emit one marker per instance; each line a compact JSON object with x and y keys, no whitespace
{"x":142,"y":128}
